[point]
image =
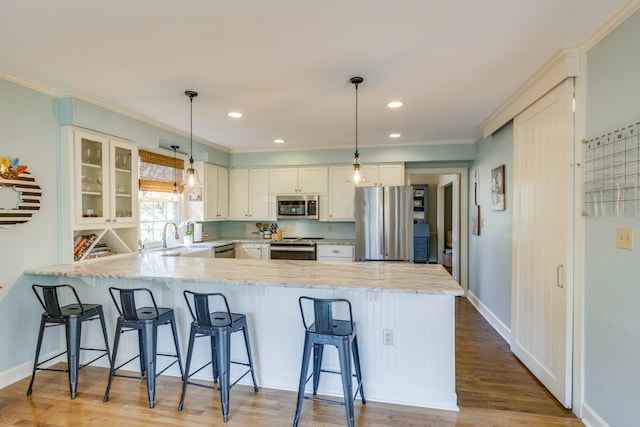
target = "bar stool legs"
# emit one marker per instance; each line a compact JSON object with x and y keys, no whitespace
{"x":71,"y":317}
{"x":218,"y":326}
{"x":145,"y":321}
{"x":325,"y":330}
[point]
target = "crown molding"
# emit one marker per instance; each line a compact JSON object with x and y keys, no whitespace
{"x":114,"y":108}
{"x":565,"y":64}
{"x":27,"y":83}
{"x":611,"y":24}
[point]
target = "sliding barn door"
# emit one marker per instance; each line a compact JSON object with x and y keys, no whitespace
{"x":542,"y":209}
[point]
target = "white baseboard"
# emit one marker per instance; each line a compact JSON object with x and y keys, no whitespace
{"x":496,"y":323}
{"x":24,"y":370}
{"x":590,"y":418}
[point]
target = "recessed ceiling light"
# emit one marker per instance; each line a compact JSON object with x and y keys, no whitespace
{"x":234,"y":114}
{"x":395,"y":104}
{"x":394,"y":135}
{"x":279,"y":141}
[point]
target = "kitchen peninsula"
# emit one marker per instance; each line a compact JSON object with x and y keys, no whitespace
{"x":405,"y":315}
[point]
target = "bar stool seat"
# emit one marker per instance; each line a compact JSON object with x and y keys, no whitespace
{"x":145,"y":320}
{"x":218,"y":325}
{"x":71,"y":316}
{"x":326,"y":330}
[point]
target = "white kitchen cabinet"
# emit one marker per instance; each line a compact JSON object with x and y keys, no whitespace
{"x":252,"y":250}
{"x":103,"y":198}
{"x":335,"y":252}
{"x":306,"y":180}
{"x":379,"y":175}
{"x":341,"y":194}
{"x":214,"y":205}
{"x":249,"y":194}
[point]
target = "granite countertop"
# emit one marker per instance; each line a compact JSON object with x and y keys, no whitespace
{"x":373,"y":276}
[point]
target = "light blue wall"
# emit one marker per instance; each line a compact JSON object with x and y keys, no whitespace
{"x":612,"y":276}
{"x":71,"y":111}
{"x":28,"y":130}
{"x":490,"y":252}
{"x":412,"y":153}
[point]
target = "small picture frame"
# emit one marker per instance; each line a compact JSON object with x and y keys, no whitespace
{"x":195,"y":194}
{"x":419,"y":193}
{"x":497,"y":188}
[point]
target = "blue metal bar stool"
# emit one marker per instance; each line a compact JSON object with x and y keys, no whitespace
{"x":145,"y":320}
{"x":325,"y":330}
{"x":218,"y":325}
{"x":71,"y":316}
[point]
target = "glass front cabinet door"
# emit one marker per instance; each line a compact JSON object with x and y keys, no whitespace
{"x":106,"y":177}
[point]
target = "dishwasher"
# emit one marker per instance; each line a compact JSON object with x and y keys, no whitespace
{"x":225,"y":251}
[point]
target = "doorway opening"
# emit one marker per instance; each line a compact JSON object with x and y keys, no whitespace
{"x":447,"y":192}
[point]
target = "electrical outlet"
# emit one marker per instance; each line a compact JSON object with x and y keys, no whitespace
{"x":624,"y":237}
{"x":387,"y":337}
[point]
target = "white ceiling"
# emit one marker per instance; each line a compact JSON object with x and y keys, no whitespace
{"x":285,"y":64}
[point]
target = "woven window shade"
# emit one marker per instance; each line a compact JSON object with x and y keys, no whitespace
{"x":157,"y":172}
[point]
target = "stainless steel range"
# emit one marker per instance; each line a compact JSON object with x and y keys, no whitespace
{"x":294,"y":248}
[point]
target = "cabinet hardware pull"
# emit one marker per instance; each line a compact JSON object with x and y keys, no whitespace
{"x":558,"y":276}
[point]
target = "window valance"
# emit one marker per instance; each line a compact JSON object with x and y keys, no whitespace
{"x":157,"y":172}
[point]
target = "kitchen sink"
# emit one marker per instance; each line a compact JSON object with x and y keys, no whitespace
{"x":202,"y":251}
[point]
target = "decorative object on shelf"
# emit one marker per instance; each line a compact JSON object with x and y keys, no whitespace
{"x":497,"y":188}
{"x":192,"y":175}
{"x":16,"y":177}
{"x":195,"y":194}
{"x":175,"y":195}
{"x":358,"y":177}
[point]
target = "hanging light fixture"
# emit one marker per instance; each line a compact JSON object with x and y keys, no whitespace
{"x":175,"y":195}
{"x":358,"y":177}
{"x":192,"y":176}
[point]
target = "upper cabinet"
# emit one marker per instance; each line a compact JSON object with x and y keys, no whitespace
{"x":305,"y":180}
{"x":214,"y":204}
{"x":106,"y":177}
{"x":383,"y":175}
{"x":249,"y":194}
{"x":341,"y":194}
{"x":102,"y":204}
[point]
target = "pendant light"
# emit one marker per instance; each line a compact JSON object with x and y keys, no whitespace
{"x":358,"y":177}
{"x":175,"y":195}
{"x":192,"y":175}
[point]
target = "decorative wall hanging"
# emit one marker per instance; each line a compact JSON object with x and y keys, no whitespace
{"x":16,"y":178}
{"x":497,"y":188}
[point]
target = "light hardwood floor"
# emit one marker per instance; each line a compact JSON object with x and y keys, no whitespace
{"x":494,"y":389}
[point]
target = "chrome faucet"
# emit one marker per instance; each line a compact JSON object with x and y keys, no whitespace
{"x":164,"y":236}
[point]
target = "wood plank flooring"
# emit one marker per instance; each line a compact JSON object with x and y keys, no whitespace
{"x":494,"y":389}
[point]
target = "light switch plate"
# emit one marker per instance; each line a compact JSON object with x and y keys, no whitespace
{"x":624,"y":237}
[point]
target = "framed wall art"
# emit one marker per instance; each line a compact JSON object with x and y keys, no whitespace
{"x":497,"y":188}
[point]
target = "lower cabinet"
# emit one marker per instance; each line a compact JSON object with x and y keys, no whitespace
{"x":335,"y":252}
{"x":252,"y":250}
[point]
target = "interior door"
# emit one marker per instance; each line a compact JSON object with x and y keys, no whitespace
{"x":541,"y":295}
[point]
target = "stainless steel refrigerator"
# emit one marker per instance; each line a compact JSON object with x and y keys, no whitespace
{"x":384,"y":223}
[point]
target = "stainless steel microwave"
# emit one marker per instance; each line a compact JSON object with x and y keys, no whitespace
{"x":297,"y":207}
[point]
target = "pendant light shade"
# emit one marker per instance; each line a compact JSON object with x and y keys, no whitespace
{"x":357,"y":176}
{"x":176,"y":194}
{"x":192,"y":174}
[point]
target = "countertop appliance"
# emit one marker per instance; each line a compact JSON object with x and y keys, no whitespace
{"x":294,"y":248}
{"x":384,"y":223}
{"x":297,"y":207}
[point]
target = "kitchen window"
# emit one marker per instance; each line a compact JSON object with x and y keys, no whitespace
{"x":156,"y":209}
{"x":159,"y":174}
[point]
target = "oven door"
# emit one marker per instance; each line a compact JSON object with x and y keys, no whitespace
{"x":293,"y":252}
